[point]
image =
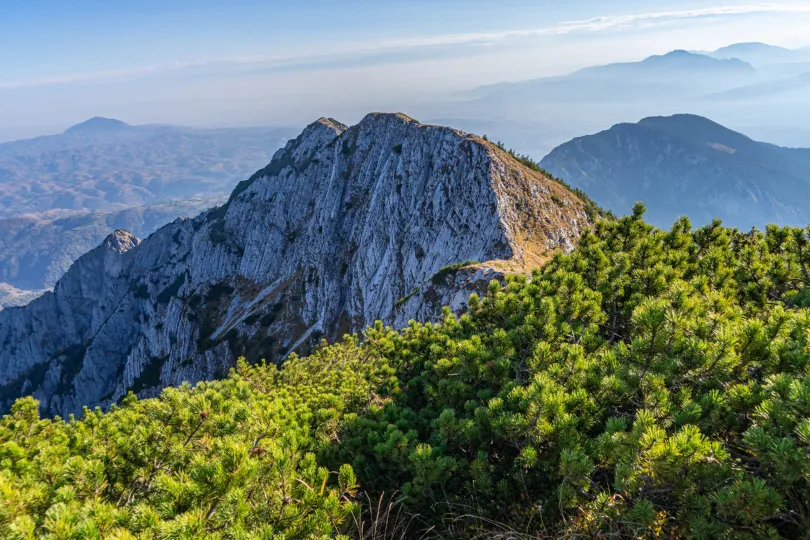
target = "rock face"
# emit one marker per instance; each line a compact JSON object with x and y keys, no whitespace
{"x":345,"y":226}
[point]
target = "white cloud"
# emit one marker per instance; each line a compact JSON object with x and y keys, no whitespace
{"x":596,"y":24}
{"x":609,"y":22}
{"x":81,"y":77}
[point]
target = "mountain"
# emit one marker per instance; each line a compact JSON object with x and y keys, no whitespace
{"x":35,"y":251}
{"x":670,"y":65}
{"x":99,"y":125}
{"x":756,"y":53}
{"x":345,"y":226}
{"x":677,"y":73}
{"x":786,"y":73}
{"x":761,"y":55}
{"x":61,"y":195}
{"x":536,"y":115}
{"x":687,"y":164}
{"x":105,"y":165}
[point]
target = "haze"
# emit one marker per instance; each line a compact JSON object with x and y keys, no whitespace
{"x":273,"y":63}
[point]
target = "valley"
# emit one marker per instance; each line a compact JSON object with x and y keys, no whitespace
{"x":61,"y":195}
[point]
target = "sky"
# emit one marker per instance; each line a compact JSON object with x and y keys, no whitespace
{"x":249,"y":62}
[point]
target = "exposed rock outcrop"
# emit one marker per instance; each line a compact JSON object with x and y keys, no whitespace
{"x":37,"y":249}
{"x":345,"y":226}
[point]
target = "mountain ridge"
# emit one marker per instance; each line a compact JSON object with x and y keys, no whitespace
{"x":679,"y":59}
{"x":111,"y":169}
{"x":687,"y":164}
{"x":346,"y":225}
{"x":756,"y":53}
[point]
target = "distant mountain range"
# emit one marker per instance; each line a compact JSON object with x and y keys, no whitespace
{"x":757,"y":88}
{"x":759,"y":54}
{"x":106,"y":164}
{"x":677,"y":73}
{"x":36,"y":250}
{"x":61,"y":195}
{"x":687,"y":164}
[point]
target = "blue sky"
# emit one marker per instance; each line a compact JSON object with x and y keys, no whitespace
{"x":53,"y":38}
{"x":263,"y":62}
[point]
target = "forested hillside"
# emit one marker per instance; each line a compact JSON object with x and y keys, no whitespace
{"x":688,"y":165}
{"x":651,"y":383}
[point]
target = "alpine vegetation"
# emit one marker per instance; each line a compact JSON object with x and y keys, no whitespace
{"x":648,"y":384}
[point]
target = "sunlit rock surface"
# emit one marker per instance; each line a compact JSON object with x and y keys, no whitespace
{"x":345,"y":226}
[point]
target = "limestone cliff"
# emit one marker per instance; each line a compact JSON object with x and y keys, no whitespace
{"x":345,"y":226}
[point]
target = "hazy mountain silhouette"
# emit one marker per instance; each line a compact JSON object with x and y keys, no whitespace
{"x":687,"y":164}
{"x":98,"y":125}
{"x":106,"y":164}
{"x":757,"y":53}
{"x":674,"y":74}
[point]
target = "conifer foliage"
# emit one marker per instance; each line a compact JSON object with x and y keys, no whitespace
{"x":652,"y":383}
{"x":227,"y":459}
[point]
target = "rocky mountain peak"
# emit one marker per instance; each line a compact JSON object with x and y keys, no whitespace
{"x":120,"y":241}
{"x":320,"y":132}
{"x":388,"y":219}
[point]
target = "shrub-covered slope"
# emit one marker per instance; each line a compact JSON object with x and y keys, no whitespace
{"x":649,"y":383}
{"x":228,"y":459}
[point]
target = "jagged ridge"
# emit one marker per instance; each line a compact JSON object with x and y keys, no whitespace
{"x":343,"y":227}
